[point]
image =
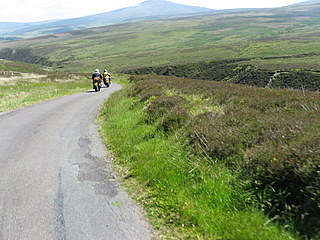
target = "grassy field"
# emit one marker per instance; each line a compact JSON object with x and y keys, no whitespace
{"x":209,"y":163}
{"x":24,"y":84}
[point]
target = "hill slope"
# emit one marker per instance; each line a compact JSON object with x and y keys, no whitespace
{"x":289,"y":32}
{"x":306,"y":3}
{"x":150,"y":9}
{"x":6,"y":28}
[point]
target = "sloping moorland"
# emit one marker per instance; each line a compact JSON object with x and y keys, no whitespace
{"x":212,"y":156}
{"x":255,"y":34}
{"x":147,"y":10}
{"x":245,"y":71}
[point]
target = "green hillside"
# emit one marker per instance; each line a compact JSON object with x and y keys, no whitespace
{"x":214,"y":160}
{"x":147,"y":10}
{"x":254,"y":34}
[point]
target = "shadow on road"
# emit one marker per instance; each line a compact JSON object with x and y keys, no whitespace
{"x":91,"y":91}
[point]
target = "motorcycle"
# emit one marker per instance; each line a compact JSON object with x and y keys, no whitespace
{"x":107,"y":82}
{"x":96,"y":84}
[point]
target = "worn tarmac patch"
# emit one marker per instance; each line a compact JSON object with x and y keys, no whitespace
{"x":96,"y":170}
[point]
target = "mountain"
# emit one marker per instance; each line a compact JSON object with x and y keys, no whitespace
{"x":261,"y":33}
{"x":306,"y":3}
{"x":305,"y":9}
{"x":6,"y":28}
{"x":147,"y":10}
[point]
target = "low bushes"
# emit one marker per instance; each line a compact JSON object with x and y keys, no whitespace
{"x":183,"y":195}
{"x":299,"y":79}
{"x":236,"y":72}
{"x":24,"y":55}
{"x":270,"y":137}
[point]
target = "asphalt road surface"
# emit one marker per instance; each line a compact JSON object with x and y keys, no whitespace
{"x":55,"y":177}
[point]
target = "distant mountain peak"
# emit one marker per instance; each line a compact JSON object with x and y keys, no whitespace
{"x":154,"y":8}
{"x":147,"y":10}
{"x":169,"y":7}
{"x":153,"y":1}
{"x":306,"y":3}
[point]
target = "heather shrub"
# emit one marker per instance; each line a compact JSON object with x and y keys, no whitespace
{"x":184,"y":196}
{"x":136,"y":78}
{"x":290,"y":173}
{"x":164,"y":105}
{"x":269,"y":137}
{"x":298,"y":80}
{"x":224,"y":136}
{"x":174,"y":119}
{"x":143,"y":90}
{"x":235,"y":71}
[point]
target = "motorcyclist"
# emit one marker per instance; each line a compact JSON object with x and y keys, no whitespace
{"x":106,"y":78}
{"x":96,"y":76}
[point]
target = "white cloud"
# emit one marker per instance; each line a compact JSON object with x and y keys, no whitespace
{"x":37,"y":10}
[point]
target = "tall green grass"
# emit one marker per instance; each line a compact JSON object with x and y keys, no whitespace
{"x":184,"y":197}
{"x":23,"y":84}
{"x":15,"y":94}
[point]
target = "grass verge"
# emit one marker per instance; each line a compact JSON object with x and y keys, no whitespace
{"x":185,"y":198}
{"x":24,"y":91}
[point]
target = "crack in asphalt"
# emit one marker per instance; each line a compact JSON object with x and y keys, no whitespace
{"x":2,"y":218}
{"x":60,"y":228}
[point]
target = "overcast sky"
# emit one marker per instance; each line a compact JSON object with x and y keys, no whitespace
{"x":38,"y":10}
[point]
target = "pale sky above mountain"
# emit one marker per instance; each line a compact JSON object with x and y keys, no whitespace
{"x":38,"y":10}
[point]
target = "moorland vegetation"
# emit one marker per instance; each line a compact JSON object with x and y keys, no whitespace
{"x":215,"y":155}
{"x":23,"y":84}
{"x":289,"y":31}
{"x":239,"y":72}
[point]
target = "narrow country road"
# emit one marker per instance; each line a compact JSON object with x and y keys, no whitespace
{"x":56,"y":182}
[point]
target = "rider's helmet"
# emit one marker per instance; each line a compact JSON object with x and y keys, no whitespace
{"x":105,"y":70}
{"x":96,"y":71}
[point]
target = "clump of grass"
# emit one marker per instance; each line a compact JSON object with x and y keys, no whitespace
{"x":184,"y":196}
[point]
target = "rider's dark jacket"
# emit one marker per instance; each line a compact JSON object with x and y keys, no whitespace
{"x":96,"y":75}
